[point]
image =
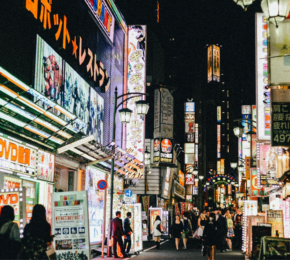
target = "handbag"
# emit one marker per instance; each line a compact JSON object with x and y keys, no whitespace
{"x":50,"y":252}
{"x":161,"y":228}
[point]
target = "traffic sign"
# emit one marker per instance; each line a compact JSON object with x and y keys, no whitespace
{"x":102,"y":184}
{"x":128,"y":193}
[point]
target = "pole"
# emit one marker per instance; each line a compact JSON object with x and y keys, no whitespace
{"x":109,"y":253}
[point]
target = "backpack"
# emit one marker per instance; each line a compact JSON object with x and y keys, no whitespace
{"x":185,"y":225}
{"x":9,"y":248}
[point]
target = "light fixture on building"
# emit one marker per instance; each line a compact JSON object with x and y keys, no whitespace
{"x":233,"y":183}
{"x":249,"y":136}
{"x":207,"y":184}
{"x":238,"y":131}
{"x":125,"y":115}
{"x":244,"y":3}
{"x":196,"y":180}
{"x":275,"y":10}
{"x":234,"y":165}
{"x":147,"y":157}
{"x":201,"y":177}
{"x":142,"y":107}
{"x":195,"y":172}
{"x":241,"y":168}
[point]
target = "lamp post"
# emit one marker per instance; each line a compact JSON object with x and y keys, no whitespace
{"x":125,"y":115}
{"x":244,"y":3}
{"x":275,"y":10}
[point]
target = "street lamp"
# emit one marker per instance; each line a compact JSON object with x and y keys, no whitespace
{"x":238,"y":131}
{"x":244,"y":3}
{"x":125,"y":115}
{"x":275,"y":10}
{"x":234,"y":165}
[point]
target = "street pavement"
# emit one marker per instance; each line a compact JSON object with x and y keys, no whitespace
{"x":168,"y":251}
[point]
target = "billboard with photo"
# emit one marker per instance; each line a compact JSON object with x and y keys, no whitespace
{"x":263,"y":98}
{"x":136,"y":83}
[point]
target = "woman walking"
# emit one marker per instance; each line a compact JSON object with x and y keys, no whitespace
{"x":157,"y":231}
{"x":37,"y":235}
{"x":187,"y":229}
{"x":202,"y":220}
{"x":176,"y":231}
{"x":10,"y":242}
{"x":230,"y":233}
{"x":209,"y":236}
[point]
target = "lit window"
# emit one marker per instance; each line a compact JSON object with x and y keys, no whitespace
{"x":228,"y":148}
{"x":228,"y":104}
{"x":228,"y":93}
{"x":228,"y":137}
{"x":228,"y":126}
{"x":228,"y":115}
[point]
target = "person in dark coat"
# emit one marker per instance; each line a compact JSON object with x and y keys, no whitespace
{"x":177,"y":230}
{"x":127,"y":231}
{"x":210,"y":236}
{"x":222,"y":230}
{"x":117,"y":233}
{"x":37,"y":235}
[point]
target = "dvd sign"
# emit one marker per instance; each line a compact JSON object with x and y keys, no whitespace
{"x":166,"y":154}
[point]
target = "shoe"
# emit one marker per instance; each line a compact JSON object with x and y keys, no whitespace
{"x":184,"y":247}
{"x":222,"y":251}
{"x":128,"y":256}
{"x":229,"y":250}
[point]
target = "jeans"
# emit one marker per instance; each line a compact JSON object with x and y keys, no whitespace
{"x":127,"y":243}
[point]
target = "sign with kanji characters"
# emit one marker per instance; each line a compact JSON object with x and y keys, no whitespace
{"x":280,"y":135}
{"x":136,"y":83}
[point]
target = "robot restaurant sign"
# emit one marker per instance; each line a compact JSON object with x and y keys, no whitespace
{"x":59,"y":25}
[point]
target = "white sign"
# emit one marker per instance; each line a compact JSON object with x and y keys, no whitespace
{"x":246,"y":109}
{"x":262,"y":91}
{"x":189,"y":147}
{"x":130,"y":200}
{"x":71,"y":225}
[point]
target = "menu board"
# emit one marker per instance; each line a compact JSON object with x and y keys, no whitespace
{"x":95,"y":203}
{"x":45,"y":167}
{"x":275,"y":217}
{"x":70,"y":225}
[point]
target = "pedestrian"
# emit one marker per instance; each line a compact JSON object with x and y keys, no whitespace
{"x":202,"y":220}
{"x":210,"y":236}
{"x":230,"y":233}
{"x":187,"y":229}
{"x":37,"y":235}
{"x":222,"y":229}
{"x":117,"y":233}
{"x":127,"y":231}
{"x":9,"y":234}
{"x":238,"y":228}
{"x":157,"y":231}
{"x":176,"y":231}
{"x":194,"y":221}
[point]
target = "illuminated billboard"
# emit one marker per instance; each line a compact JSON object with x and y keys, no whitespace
{"x":216,"y":63}
{"x":219,"y":114}
{"x":262,"y":90}
{"x":218,"y":141}
{"x":246,"y":123}
{"x":136,"y":83}
{"x":209,"y":63}
{"x":189,"y":106}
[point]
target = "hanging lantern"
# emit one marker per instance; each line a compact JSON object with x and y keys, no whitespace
{"x":142,"y":107}
{"x":238,"y":131}
{"x":244,"y":3}
{"x":125,"y":115}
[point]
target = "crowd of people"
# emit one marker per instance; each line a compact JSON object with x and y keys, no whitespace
{"x":36,"y":236}
{"x":219,"y":229}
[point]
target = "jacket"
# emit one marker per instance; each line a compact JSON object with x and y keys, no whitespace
{"x":127,"y":226}
{"x":117,"y":227}
{"x":222,"y":226}
{"x":14,"y":233}
{"x":189,"y":223}
{"x":210,"y":234}
{"x":156,"y":232}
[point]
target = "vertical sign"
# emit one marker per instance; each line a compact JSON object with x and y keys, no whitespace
{"x":70,"y":224}
{"x":166,"y":111}
{"x":181,"y":178}
{"x":262,"y":90}
{"x":254,"y":150}
{"x":196,"y":133}
{"x":246,"y":123}
{"x":254,"y":189}
{"x":219,"y":114}
{"x":218,"y":167}
{"x":222,"y":166}
{"x":216,"y":63}
{"x":209,"y":63}
{"x":218,"y":141}
{"x":248,"y":167}
{"x":156,"y":113}
{"x":136,"y":83}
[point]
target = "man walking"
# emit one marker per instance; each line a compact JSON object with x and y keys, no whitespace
{"x":222,"y":229}
{"x":127,"y":231}
{"x":117,"y":233}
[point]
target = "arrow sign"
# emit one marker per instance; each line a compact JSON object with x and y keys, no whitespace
{"x":128,"y":193}
{"x":102,"y":184}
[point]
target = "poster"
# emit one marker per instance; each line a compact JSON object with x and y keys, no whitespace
{"x":95,"y":203}
{"x":267,"y":160}
{"x":189,"y":179}
{"x":209,"y":63}
{"x":166,"y":154}
{"x":181,"y":178}
{"x":154,"y":212}
{"x":70,"y":225}
{"x":250,"y":207}
{"x":45,"y":167}
{"x":286,"y":217}
{"x":275,"y":217}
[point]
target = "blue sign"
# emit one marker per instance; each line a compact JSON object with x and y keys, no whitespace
{"x":65,"y":231}
{"x":128,"y":193}
{"x":189,"y":107}
{"x":73,"y":230}
{"x":81,"y":230}
{"x":57,"y":232}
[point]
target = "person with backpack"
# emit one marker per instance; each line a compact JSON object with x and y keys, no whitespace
{"x":157,"y":232}
{"x":37,"y":235}
{"x":187,"y":228}
{"x":10,"y":241}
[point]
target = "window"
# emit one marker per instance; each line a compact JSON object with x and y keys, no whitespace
{"x":228,"y":137}
{"x":228,"y":93}
{"x":228,"y":104}
{"x":228,"y":115}
{"x":228,"y":149}
{"x":228,"y":126}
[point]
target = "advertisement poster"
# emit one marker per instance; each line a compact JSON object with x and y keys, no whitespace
{"x":189,"y":179}
{"x":267,"y":161}
{"x":181,"y":178}
{"x":153,"y":214}
{"x":182,"y":207}
{"x":255,"y":191}
{"x":250,"y":207}
{"x":263,"y":97}
{"x":209,"y":63}
{"x":95,"y":203}
{"x":156,"y":150}
{"x":167,"y":180}
{"x":45,"y":167}
{"x":216,"y":63}
{"x":286,"y":217}
{"x":166,"y":155}
{"x":136,"y":83}
{"x":71,"y":225}
{"x":275,"y":217}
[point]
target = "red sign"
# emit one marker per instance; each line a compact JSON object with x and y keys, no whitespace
{"x":166,"y":146}
{"x":102,"y":184}
{"x":156,"y":145}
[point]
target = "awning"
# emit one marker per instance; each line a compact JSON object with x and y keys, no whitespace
{"x":125,"y":165}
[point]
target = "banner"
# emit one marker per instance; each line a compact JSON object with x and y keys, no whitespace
{"x":275,"y":217}
{"x":182,"y":207}
{"x":177,"y":212}
{"x":71,"y":225}
{"x":248,"y":167}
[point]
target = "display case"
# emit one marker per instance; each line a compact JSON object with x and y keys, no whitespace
{"x":30,"y":187}
{"x":274,"y":248}
{"x":165,"y":223}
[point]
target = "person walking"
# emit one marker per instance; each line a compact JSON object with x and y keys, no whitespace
{"x":238,"y":218}
{"x":9,"y":234}
{"x":222,"y":230}
{"x":127,"y":231}
{"x":202,"y":220}
{"x":157,"y":231}
{"x":230,"y":233}
{"x":210,"y":236}
{"x":117,"y":233}
{"x":187,"y":229}
{"x":37,"y":235}
{"x":176,"y":231}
